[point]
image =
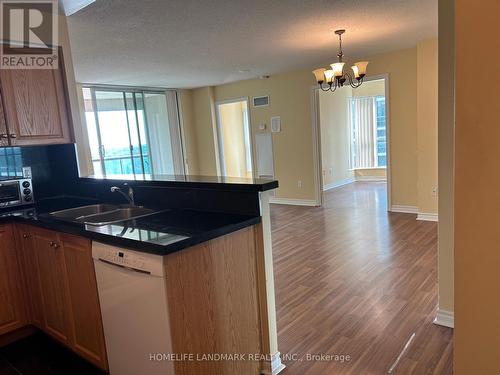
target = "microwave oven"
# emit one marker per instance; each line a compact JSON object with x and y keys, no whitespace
{"x":16,"y":192}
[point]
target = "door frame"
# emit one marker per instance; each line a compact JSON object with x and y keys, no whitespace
{"x":221,"y":167}
{"x":316,"y":132}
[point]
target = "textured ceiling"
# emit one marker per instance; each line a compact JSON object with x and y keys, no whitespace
{"x":192,"y":43}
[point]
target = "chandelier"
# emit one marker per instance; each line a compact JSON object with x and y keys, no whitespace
{"x":331,"y":79}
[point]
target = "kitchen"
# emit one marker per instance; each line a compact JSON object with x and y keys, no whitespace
{"x":118,"y":269}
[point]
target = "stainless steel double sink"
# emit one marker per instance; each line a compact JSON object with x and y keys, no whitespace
{"x":102,"y":214}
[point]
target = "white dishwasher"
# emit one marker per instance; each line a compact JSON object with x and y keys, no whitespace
{"x":133,"y":298}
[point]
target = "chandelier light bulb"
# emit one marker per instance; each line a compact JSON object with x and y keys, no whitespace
{"x":361,"y":65}
{"x":338,"y":69}
{"x":356,"y":71}
{"x":329,"y":75}
{"x":319,"y":74}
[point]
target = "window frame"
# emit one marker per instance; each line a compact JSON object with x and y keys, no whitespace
{"x":125,"y":90}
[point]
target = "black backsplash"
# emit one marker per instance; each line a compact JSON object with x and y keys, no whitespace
{"x":53,"y":167}
{"x":55,"y":173}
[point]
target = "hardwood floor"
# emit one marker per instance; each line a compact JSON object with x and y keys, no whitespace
{"x":354,"y":280}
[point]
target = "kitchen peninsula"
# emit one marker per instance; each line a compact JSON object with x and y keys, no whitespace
{"x":202,"y":256}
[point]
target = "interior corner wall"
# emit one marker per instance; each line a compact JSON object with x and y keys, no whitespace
{"x":335,"y":137}
{"x":204,"y":122}
{"x":80,"y":134}
{"x":446,"y":137}
{"x":188,"y":125}
{"x":401,"y":66}
{"x":427,"y":126}
{"x":477,"y":186}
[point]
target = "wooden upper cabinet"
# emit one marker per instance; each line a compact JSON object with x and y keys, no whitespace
{"x":4,"y":140}
{"x":88,"y":339}
{"x":51,"y":270}
{"x":35,"y":106}
{"x":12,"y":312}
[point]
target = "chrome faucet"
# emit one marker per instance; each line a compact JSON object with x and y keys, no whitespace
{"x":129,"y":196}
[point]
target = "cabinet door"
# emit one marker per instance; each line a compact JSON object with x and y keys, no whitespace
{"x":12,"y":312}
{"x":27,"y":255}
{"x":51,"y":269}
{"x":84,"y":300}
{"x":35,"y":106}
{"x":4,"y":141}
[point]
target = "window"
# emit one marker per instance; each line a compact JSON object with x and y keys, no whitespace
{"x":11,"y":162}
{"x":132,"y":132}
{"x":368,"y":132}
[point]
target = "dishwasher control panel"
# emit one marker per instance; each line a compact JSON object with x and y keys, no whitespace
{"x":135,"y":260}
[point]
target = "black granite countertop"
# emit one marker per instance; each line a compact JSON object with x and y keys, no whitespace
{"x":163,"y":233}
{"x":193,"y":181}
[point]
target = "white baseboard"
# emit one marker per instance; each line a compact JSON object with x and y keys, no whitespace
{"x":276,"y":365}
{"x":445,"y":318}
{"x":427,"y":217}
{"x":404,"y":209}
{"x":337,"y":184}
{"x":273,"y":366}
{"x":371,"y":178}
{"x":293,"y":202}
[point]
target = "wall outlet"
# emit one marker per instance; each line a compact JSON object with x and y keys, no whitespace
{"x":299,"y":183}
{"x":27,"y":172}
{"x":434,"y":191}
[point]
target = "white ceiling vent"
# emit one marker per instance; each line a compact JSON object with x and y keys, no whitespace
{"x":260,"y":101}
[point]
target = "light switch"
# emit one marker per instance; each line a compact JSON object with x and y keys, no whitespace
{"x":276,"y":124}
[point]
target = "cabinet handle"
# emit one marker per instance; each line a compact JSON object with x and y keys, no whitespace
{"x":4,"y":136}
{"x":12,"y":135}
{"x":54,"y":245}
{"x":26,"y":235}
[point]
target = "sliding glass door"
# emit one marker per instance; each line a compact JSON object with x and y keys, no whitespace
{"x":130,"y":132}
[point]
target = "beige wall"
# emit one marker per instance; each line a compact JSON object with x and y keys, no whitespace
{"x":402,"y":69}
{"x":290,"y":98}
{"x":371,"y":172}
{"x":427,"y":117}
{"x":204,"y":122}
{"x":190,"y":146}
{"x":292,"y":147}
{"x":74,"y":93}
{"x":233,"y":138}
{"x":446,"y":133}
{"x":335,"y":137}
{"x":477,"y":187}
{"x":371,"y":88}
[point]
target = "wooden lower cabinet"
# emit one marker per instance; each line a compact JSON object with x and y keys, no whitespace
{"x":27,"y":254}
{"x":214,"y":304}
{"x":61,"y":289}
{"x":12,"y":307}
{"x":52,"y":278}
{"x":88,"y":336}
